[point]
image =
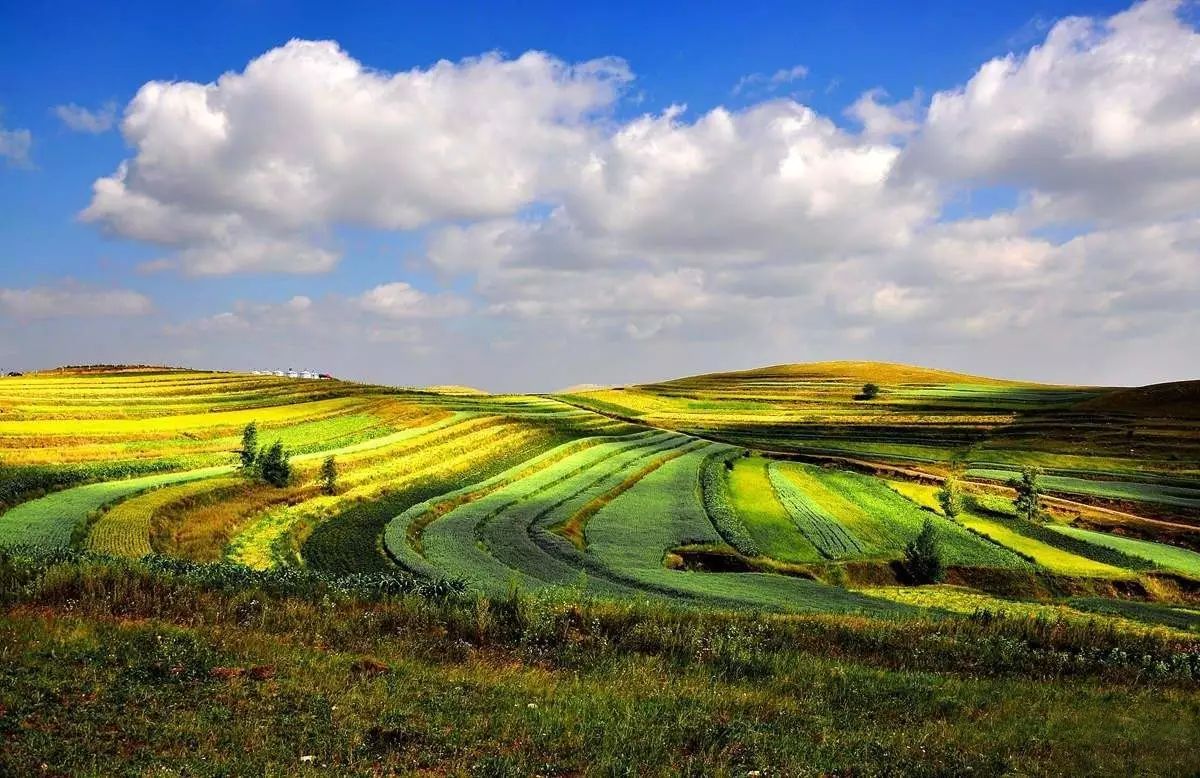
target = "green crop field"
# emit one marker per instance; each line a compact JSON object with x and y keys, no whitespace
{"x":762,"y":518}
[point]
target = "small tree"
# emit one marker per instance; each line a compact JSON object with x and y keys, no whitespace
{"x":950,"y":497}
{"x":249,"y":450}
{"x":1028,"y":502}
{"x":869,"y":391}
{"x":329,"y":475}
{"x":273,"y":465}
{"x":923,"y":556}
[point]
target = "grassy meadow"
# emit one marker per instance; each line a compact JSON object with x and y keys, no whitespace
{"x":709,"y":575}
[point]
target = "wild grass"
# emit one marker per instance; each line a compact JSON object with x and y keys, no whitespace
{"x":111,"y":667}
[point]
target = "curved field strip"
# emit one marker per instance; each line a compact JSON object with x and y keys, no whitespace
{"x":51,"y":520}
{"x":956,"y":599}
{"x":630,"y":536}
{"x":723,"y":507}
{"x":771,"y":525}
{"x":402,"y":536}
{"x":826,"y":534}
{"x":883,"y":521}
{"x":124,"y":530}
{"x":350,"y":541}
{"x":1163,"y":494}
{"x":522,"y":538}
{"x":260,"y":546}
{"x":1050,"y":557}
{"x":1169,"y":557}
{"x":376,"y":421}
{"x":268,"y":514}
{"x":453,"y":544}
{"x":306,"y":411}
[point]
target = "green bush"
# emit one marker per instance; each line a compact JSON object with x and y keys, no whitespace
{"x":923,"y":556}
{"x":273,"y":465}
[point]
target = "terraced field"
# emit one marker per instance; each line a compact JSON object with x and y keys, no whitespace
{"x":1134,"y":446}
{"x":778,"y":489}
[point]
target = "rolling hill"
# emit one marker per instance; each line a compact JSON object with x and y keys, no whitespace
{"x":531,"y":523}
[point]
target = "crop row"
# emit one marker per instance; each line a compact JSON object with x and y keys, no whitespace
{"x":822,"y":530}
{"x":629,"y":537}
{"x":457,"y":544}
{"x":263,"y":544}
{"x":714,"y":485}
{"x":349,"y":541}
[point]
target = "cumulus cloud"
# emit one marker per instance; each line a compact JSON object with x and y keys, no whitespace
{"x":767,"y":233}
{"x":400,"y":300}
{"x":1100,"y":121}
{"x":45,"y":302}
{"x":81,"y":119}
{"x":306,"y":138}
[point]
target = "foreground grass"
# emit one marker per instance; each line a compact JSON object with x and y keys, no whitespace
{"x":116,"y":668}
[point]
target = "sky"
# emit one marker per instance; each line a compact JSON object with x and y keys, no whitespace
{"x":522,"y":197}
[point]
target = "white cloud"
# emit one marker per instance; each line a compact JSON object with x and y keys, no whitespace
{"x":764,"y":234}
{"x":884,"y":122}
{"x":72,"y":301}
{"x":81,"y":119}
{"x":400,"y":300}
{"x":238,"y":172}
{"x":1101,"y":121}
{"x":762,"y":81}
{"x":15,"y":146}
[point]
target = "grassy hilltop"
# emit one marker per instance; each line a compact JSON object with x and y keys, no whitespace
{"x":489,"y":573}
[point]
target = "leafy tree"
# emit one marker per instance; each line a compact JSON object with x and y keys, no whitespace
{"x":249,"y":449}
{"x":273,"y":465}
{"x":1028,"y":502}
{"x":329,"y":475}
{"x":869,"y":391}
{"x":923,"y":556}
{"x":950,"y":497}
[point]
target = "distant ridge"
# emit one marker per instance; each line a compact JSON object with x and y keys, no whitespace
{"x":1177,"y":398}
{"x":577,"y":388}
{"x":453,"y":389}
{"x":882,"y":372}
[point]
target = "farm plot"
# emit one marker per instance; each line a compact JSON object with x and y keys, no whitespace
{"x":124,"y":529}
{"x":403,"y":535}
{"x":185,"y":422}
{"x":955,"y":599}
{"x":1055,"y":559}
{"x":269,"y":538}
{"x":349,"y":541}
{"x":52,"y":520}
{"x":880,"y":521}
{"x":458,"y":543}
{"x":734,"y":504}
{"x":630,"y":536}
{"x":1160,"y":554}
{"x":1133,"y":491}
{"x":825,"y":533}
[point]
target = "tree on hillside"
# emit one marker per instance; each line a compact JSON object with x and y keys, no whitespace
{"x":1028,"y":502}
{"x":273,"y":465}
{"x":249,"y":449}
{"x":869,"y":391}
{"x":329,"y":475}
{"x":950,"y":497}
{"x":923,"y":556}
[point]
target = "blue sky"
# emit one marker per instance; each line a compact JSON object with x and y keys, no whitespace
{"x":822,"y":57}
